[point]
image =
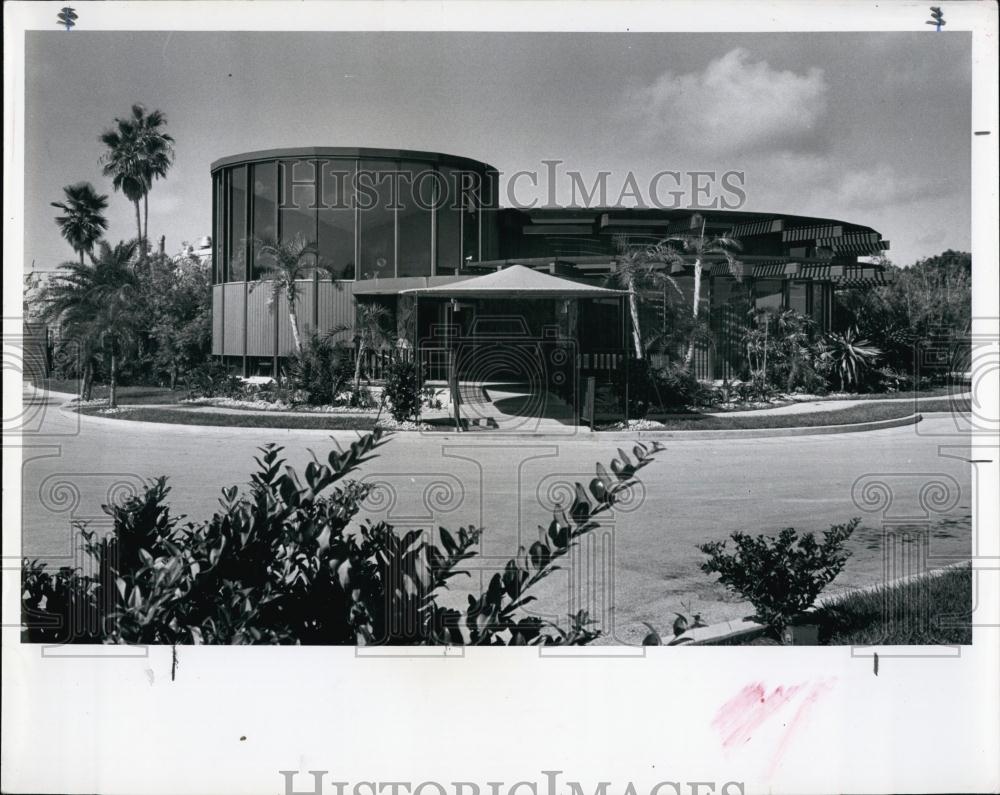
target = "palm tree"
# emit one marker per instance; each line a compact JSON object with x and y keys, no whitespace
{"x":638,"y":267}
{"x":281,"y":265}
{"x":97,"y":304}
{"x":157,"y":149}
{"x":82,"y":222}
{"x":701,"y":247}
{"x":121,"y":163}
{"x":138,"y":153}
{"x":631,"y":266}
{"x":370,"y":334}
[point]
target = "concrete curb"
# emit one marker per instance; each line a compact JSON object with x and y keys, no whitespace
{"x":747,"y":629}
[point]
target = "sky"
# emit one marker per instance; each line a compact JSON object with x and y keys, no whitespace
{"x":868,"y":128}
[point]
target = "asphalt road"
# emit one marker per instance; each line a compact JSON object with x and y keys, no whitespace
{"x":642,"y":567}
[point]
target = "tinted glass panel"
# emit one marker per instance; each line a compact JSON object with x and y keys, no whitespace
{"x":217,"y":237}
{"x":797,"y":297}
{"x":417,"y":187}
{"x":471,"y":185}
{"x":297,"y":212}
{"x":767,"y":294}
{"x":449,"y":225}
{"x":336,"y":217}
{"x":491,"y":198}
{"x":237,"y":224}
{"x":265,"y":205}
{"x":818,"y":308}
{"x":376,"y":220}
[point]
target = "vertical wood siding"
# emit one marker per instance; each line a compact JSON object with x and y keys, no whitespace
{"x":217,"y":319}
{"x":233,"y":335}
{"x":260,"y":323}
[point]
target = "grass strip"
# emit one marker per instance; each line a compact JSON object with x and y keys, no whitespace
{"x":182,"y":416}
{"x":865,"y":412}
{"x":933,"y":610}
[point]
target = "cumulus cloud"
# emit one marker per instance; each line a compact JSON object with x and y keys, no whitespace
{"x":826,"y":185}
{"x":735,"y":105}
{"x":881,"y":186}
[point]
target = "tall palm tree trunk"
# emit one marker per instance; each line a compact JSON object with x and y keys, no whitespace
{"x":695,"y":302}
{"x":293,"y":320}
{"x":87,"y":392}
{"x":113,"y":382}
{"x":633,"y":308}
{"x":145,"y":220}
{"x":357,"y":366}
{"x":138,"y":227}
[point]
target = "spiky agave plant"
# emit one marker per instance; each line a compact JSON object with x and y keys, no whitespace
{"x":850,"y":355}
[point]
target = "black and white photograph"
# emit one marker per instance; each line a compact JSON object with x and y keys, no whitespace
{"x":349,"y":345}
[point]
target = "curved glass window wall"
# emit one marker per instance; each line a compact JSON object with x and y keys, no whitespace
{"x":367,"y":218}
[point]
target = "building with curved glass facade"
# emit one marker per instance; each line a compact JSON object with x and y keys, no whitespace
{"x":385,"y":216}
{"x":389,"y":225}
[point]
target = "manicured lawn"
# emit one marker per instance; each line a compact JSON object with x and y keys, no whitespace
{"x":866,"y":412}
{"x":902,"y":397}
{"x":929,"y":611}
{"x":869,"y":412}
{"x":182,"y":416}
{"x":127,"y":395}
{"x":932,"y":391}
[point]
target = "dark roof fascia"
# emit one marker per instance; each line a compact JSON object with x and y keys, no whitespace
{"x":346,"y":152}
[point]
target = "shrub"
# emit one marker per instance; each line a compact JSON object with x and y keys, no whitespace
{"x":213,"y":379}
{"x":281,"y":563}
{"x":675,"y":386}
{"x":634,"y":384}
{"x":429,"y":398}
{"x":321,"y":370}
{"x":781,"y":575}
{"x":672,"y":386}
{"x":850,"y":357}
{"x":785,"y":350}
{"x":401,"y":389}
{"x":358,"y":397}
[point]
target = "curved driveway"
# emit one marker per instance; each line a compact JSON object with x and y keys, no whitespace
{"x":643,"y":568}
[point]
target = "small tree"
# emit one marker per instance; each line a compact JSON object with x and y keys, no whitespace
{"x":99,"y":305}
{"x":179,"y":321}
{"x":281,"y":265}
{"x":371,"y":333}
{"x":781,"y":575}
{"x":401,"y":389}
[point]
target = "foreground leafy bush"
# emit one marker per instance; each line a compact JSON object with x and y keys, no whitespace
{"x":781,"y":575}
{"x":281,"y":563}
{"x":401,"y":389}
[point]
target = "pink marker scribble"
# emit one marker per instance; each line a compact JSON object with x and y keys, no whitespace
{"x":740,"y":717}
